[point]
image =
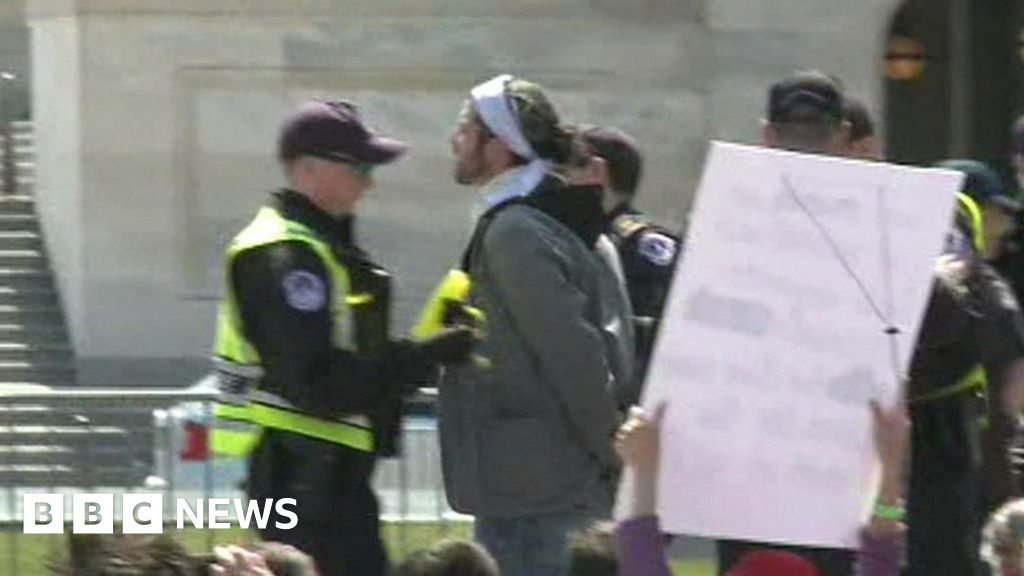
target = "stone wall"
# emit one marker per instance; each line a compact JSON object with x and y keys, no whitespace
{"x":14,"y":58}
{"x":157,"y":121}
{"x":755,"y":43}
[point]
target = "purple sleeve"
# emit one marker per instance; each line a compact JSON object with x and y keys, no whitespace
{"x":880,"y":556}
{"x":641,"y":548}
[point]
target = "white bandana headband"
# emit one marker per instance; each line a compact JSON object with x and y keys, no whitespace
{"x":497,"y":111}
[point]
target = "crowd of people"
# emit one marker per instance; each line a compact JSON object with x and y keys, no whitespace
{"x":539,"y":340}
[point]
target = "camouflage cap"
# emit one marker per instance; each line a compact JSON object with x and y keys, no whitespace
{"x":538,"y":120}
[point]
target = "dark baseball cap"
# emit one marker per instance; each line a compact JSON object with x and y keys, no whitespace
{"x":334,"y":131}
{"x":619,"y":150}
{"x":1017,"y":136}
{"x":982,"y":183}
{"x":806,"y":97}
{"x":855,"y":111}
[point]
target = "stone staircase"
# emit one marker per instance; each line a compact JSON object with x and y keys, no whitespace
{"x":46,"y":445}
{"x":34,"y":345}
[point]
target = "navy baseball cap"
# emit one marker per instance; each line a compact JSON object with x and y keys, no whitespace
{"x":806,"y":97}
{"x":1017,"y":135}
{"x":982,"y":184}
{"x":334,"y":130}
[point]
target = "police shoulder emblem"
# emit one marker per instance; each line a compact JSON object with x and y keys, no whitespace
{"x":304,"y":291}
{"x":657,"y":248}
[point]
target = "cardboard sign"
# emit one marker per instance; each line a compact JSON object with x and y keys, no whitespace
{"x":798,"y":299}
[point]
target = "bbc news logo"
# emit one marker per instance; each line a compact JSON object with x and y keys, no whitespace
{"x":144,"y":513}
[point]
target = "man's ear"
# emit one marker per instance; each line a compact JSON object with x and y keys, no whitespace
{"x":845,"y":133}
{"x":769,"y":134}
{"x":595,"y":173}
{"x":599,"y":172}
{"x":497,"y":153}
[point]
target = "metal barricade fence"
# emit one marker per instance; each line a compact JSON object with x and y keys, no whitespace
{"x":122,"y":441}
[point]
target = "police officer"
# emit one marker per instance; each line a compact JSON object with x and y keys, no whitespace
{"x":647,"y":251}
{"x":971,"y":342}
{"x":304,"y":360}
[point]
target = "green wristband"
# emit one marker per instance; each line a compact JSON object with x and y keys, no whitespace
{"x":895,"y":512}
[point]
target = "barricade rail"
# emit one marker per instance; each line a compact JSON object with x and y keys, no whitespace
{"x":151,"y":441}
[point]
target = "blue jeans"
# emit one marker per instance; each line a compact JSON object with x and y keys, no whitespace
{"x":535,"y":545}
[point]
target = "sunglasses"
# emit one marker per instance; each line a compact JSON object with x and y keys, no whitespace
{"x":361,"y":168}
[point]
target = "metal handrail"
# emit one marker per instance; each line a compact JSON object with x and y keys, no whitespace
{"x":69,"y":399}
{"x":138,"y":396}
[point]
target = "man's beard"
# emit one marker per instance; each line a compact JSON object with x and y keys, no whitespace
{"x":470,"y":167}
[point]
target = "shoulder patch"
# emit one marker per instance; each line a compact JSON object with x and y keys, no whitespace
{"x":304,"y":291}
{"x":657,"y":248}
{"x":625,"y":225}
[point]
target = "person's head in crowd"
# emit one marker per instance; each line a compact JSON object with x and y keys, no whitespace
{"x":506,"y":123}
{"x":773,"y":563}
{"x":998,"y":206}
{"x":449,"y":558}
{"x":593,"y":551}
{"x":285,"y":560}
{"x":864,"y":143}
{"x":614,"y":158}
{"x":805,"y":114}
{"x":1017,"y":151}
{"x":131,"y":555}
{"x":329,"y":155}
{"x":162,"y":555}
{"x":1002,"y":540}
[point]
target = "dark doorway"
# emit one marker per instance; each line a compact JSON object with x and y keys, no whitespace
{"x":954,"y":77}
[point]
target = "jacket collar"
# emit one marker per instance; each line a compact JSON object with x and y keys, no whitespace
{"x":622,"y":208}
{"x":294,"y":206}
{"x":578,"y":208}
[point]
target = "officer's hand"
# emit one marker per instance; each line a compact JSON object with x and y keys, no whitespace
{"x":237,"y":561}
{"x":450,"y":346}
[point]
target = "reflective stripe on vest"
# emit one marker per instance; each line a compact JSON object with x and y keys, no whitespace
{"x":233,"y":442}
{"x":970,"y":210}
{"x":238,"y":366}
{"x":974,"y":381}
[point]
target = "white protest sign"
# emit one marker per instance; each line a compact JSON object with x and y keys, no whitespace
{"x":798,"y":299}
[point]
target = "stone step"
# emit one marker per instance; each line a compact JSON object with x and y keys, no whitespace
{"x":25,"y":352}
{"x":41,"y":296}
{"x":70,"y":435}
{"x":17,"y":204}
{"x":21,"y":258}
{"x":26,"y":279}
{"x":21,"y":240}
{"x":30,"y":314}
{"x":30,"y":417}
{"x":80,"y":457}
{"x":21,"y":222}
{"x":17,"y":208}
{"x":34,"y":416}
{"x":50,"y":374}
{"x":49,"y":334}
{"x":43,"y":477}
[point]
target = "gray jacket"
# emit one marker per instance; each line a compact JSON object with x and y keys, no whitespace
{"x":530,"y":430}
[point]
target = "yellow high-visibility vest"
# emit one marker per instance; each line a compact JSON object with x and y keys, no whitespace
{"x":244,"y":409}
